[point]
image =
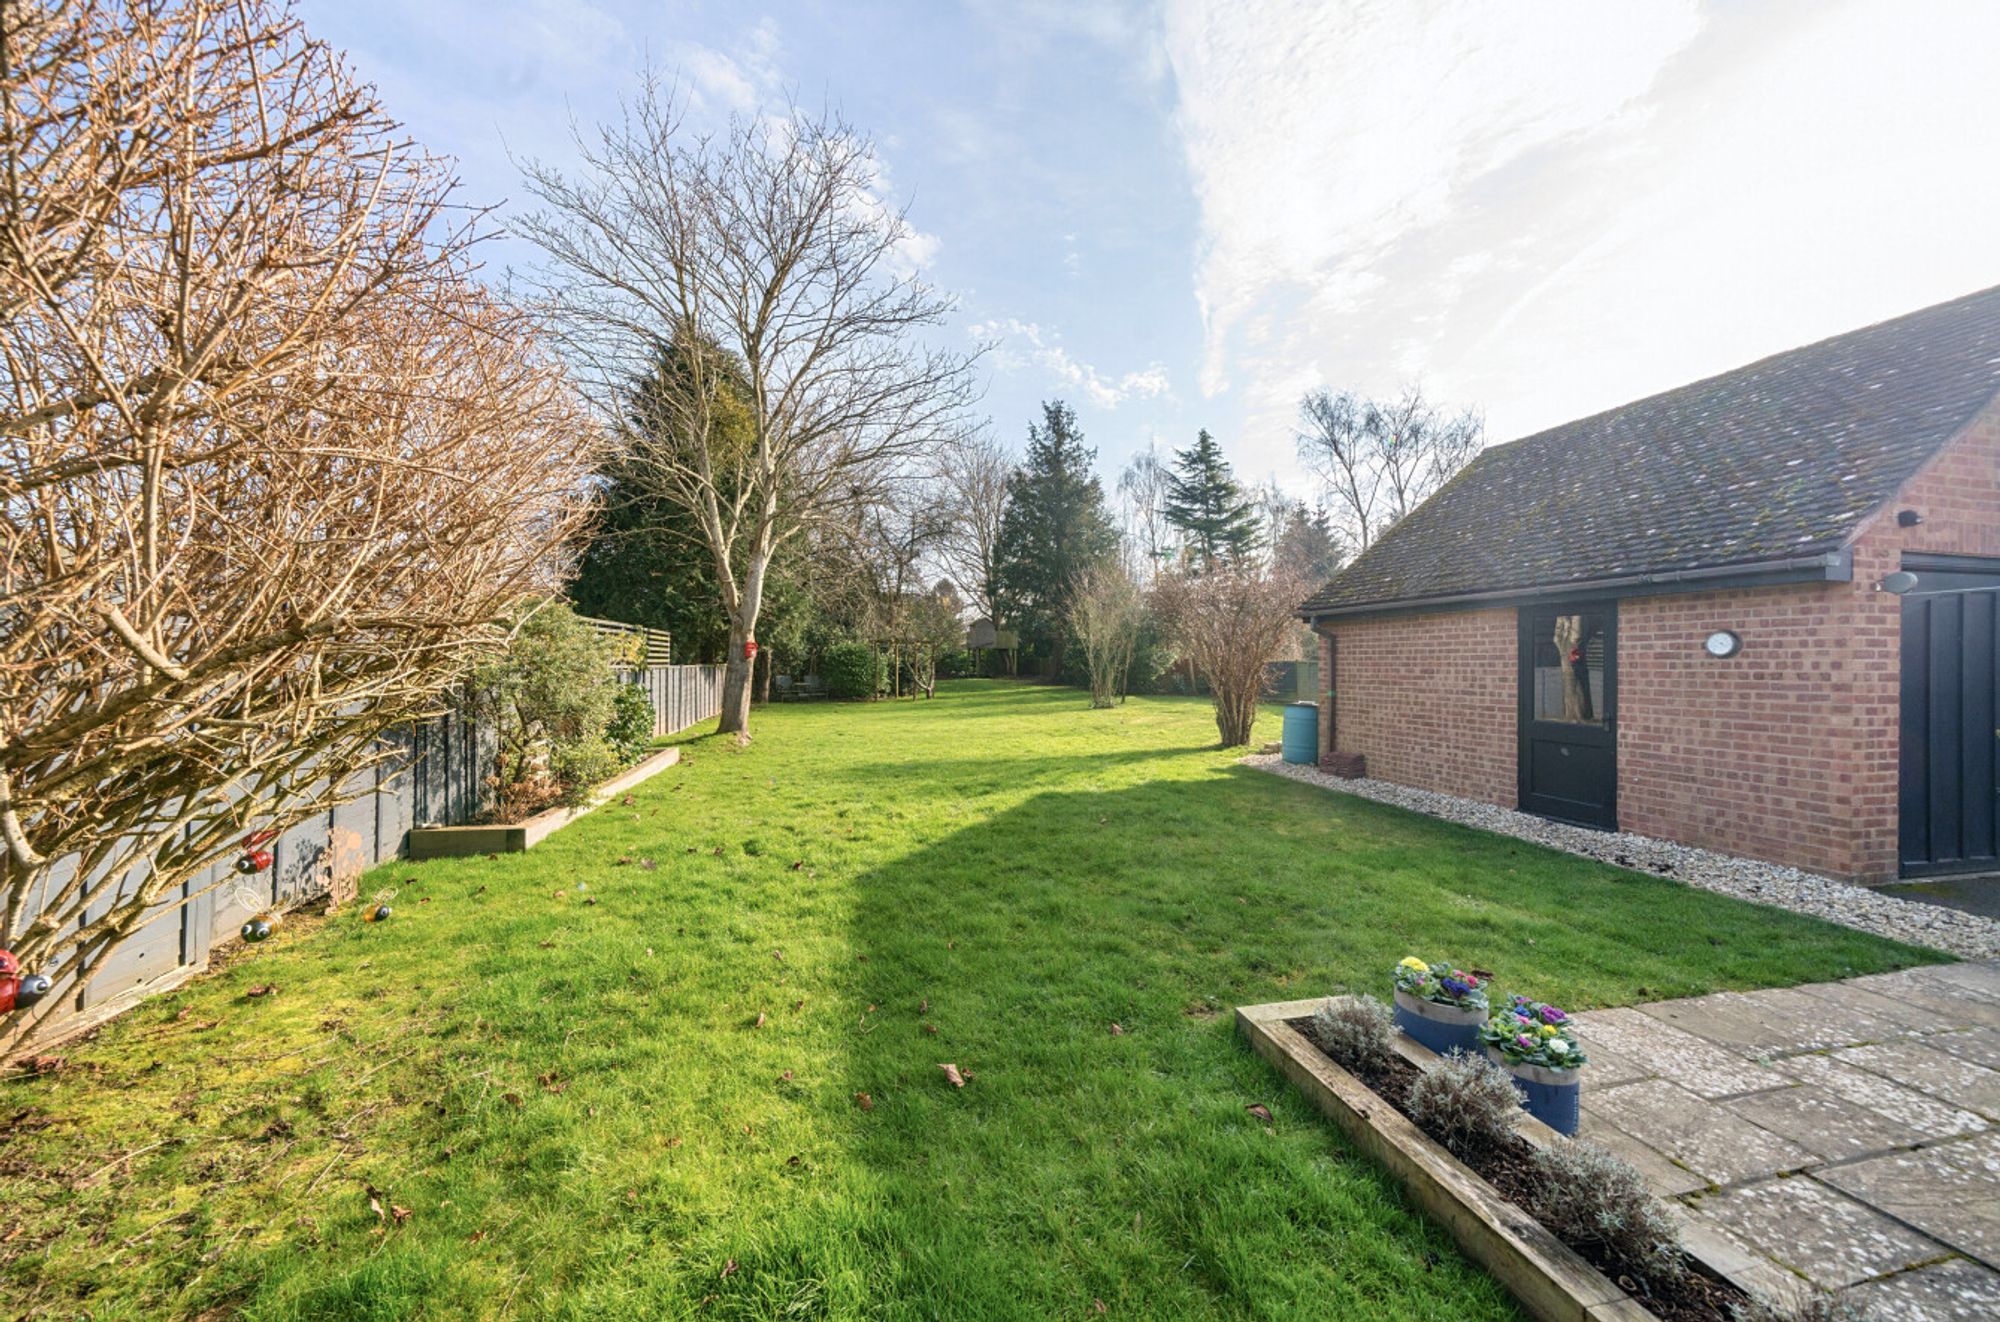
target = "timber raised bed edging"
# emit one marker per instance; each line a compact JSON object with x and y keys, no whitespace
{"x":514,"y":837}
{"x":1549,"y":1279}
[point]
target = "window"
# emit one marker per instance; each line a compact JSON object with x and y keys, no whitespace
{"x":1569,"y":668}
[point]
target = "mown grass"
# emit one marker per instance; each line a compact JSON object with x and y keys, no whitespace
{"x":552,"y":1063}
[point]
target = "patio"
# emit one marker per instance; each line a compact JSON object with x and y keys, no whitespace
{"x":1843,"y":1130}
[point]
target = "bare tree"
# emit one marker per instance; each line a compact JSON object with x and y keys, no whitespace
{"x":974,"y":472}
{"x":934,"y":623}
{"x":1232,"y":620}
{"x":764,"y":261}
{"x":1142,"y":491}
{"x":1382,"y":459}
{"x":274,"y":466}
{"x":1105,"y":613}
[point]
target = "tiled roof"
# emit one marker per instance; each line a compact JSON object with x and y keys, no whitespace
{"x":1774,"y":461}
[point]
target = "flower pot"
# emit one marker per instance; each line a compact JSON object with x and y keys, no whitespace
{"x":1554,"y":1097}
{"x":1442,"y":1028}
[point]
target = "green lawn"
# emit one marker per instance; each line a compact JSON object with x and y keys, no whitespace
{"x":575,"y":1105}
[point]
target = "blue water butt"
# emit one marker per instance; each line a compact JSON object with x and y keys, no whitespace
{"x":1300,"y":739}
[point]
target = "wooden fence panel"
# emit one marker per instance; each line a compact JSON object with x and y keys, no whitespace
{"x":681,"y":695}
{"x":437,"y":775}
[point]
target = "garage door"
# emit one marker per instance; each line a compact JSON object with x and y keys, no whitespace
{"x":1950,"y":727}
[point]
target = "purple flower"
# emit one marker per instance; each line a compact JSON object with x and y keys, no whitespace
{"x":1551,"y":1015}
{"x":1525,"y":1042}
{"x":1454,"y":986}
{"x":1522,"y":1019}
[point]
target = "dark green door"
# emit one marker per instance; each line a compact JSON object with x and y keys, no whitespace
{"x":1569,"y":713}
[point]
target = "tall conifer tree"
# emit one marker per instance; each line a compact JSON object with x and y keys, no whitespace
{"x":1204,"y":501}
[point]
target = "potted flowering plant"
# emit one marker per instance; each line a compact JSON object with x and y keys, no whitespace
{"x":1536,"y":1044}
{"x":1439,"y":1005}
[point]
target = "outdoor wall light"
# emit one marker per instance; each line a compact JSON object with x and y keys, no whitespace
{"x":1900,"y":582}
{"x":1722,"y":643}
{"x":1908,"y":518}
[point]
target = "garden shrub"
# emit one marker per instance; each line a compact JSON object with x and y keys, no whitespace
{"x":1357,"y":1032}
{"x":1465,"y":1102}
{"x":851,"y":670}
{"x":550,"y":698}
{"x":631,"y":727}
{"x":1589,"y":1198}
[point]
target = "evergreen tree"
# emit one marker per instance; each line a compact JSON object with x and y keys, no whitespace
{"x":1055,"y":526}
{"x":1204,"y":501}
{"x":1307,"y":546}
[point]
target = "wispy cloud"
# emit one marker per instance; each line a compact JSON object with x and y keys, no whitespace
{"x":1546,"y":210}
{"x":743,"y":80}
{"x":1026,"y":346}
{"x":1320,"y":138}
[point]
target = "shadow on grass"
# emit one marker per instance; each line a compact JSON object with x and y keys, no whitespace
{"x":1082,"y":1163}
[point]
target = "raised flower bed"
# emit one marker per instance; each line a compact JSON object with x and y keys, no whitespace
{"x":1482,"y":1208}
{"x":514,"y":837}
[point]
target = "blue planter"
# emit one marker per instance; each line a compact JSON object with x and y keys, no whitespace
{"x":1554,"y":1097}
{"x":1442,"y":1028}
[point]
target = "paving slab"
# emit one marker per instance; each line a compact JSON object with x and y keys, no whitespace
{"x":1662,"y":1175}
{"x":1954,"y":1006}
{"x":1924,"y":1067}
{"x":1824,"y":1123}
{"x":1712,"y":1142}
{"x":1981,"y":1046}
{"x":1975,"y":978}
{"x":1608,"y":1068}
{"x":1771,"y":1023}
{"x":1912,"y":1018}
{"x":1824,"y":1236}
{"x":1927,"y":1116}
{"x":1948,"y":1191}
{"x":1701,"y":1067}
{"x":1954,"y":1291}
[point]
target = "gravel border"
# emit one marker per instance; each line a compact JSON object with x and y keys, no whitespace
{"x":1966,"y":935}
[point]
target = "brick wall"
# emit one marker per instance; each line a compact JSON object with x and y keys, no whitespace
{"x":1787,"y":751}
{"x":1754,"y":754}
{"x":1429,"y":699}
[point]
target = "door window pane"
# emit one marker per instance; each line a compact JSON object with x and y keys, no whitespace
{"x":1569,"y":668}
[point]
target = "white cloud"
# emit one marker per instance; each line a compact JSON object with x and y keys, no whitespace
{"x":1319,"y":138}
{"x":1547,"y":210}
{"x":743,"y":82}
{"x":1026,"y":346}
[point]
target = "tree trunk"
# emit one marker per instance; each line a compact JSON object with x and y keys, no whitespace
{"x":1235,"y":713}
{"x":767,"y":662}
{"x":736,"y":687}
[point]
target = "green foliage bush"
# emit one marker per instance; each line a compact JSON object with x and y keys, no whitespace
{"x":851,"y":670}
{"x":551,"y":697}
{"x":631,"y":727}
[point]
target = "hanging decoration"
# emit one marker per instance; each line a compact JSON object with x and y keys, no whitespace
{"x":18,"y":990}
{"x":255,"y":858}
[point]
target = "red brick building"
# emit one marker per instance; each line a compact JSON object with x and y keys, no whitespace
{"x":1756,"y":614}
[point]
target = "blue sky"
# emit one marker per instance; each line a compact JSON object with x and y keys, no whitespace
{"x":1184,"y":214}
